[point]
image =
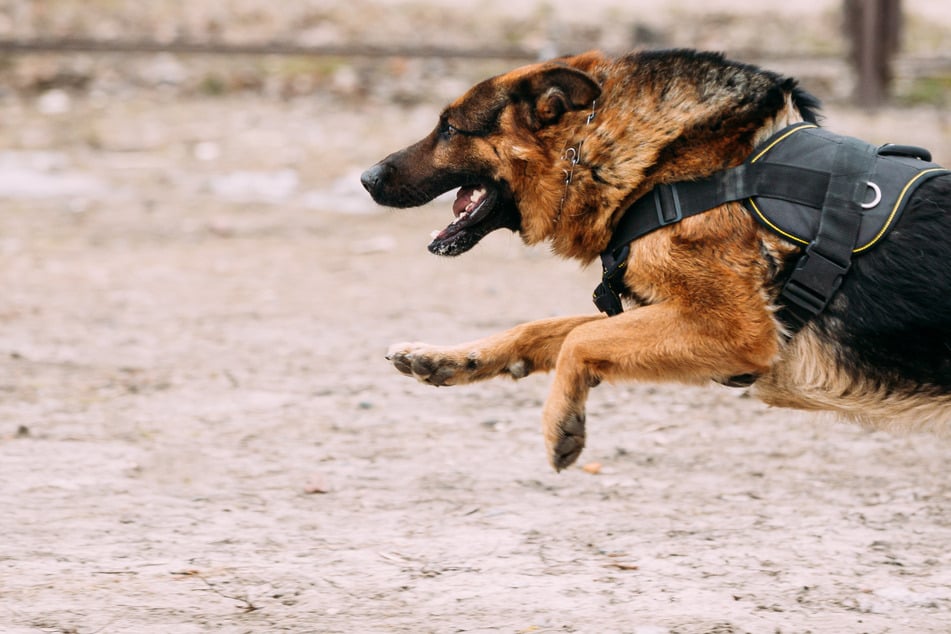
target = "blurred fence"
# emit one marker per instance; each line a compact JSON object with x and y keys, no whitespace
{"x":70,"y":44}
{"x":873,"y":76}
{"x":923,"y":64}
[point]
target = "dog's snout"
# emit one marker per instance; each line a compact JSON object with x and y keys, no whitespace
{"x":374,"y":177}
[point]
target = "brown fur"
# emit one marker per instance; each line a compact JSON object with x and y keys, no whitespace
{"x":702,"y":291}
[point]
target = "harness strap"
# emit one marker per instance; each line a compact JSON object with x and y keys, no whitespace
{"x":836,"y":186}
{"x":819,"y":272}
{"x":670,"y":203}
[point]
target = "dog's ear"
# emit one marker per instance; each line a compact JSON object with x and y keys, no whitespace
{"x":555,"y":90}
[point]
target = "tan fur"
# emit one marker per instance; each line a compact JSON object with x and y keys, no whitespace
{"x":806,"y":377}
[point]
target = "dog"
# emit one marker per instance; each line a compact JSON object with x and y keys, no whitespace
{"x":558,"y":151}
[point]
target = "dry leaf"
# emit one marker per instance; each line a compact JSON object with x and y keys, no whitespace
{"x":594,"y":468}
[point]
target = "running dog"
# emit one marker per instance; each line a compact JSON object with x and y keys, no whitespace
{"x":573,"y":150}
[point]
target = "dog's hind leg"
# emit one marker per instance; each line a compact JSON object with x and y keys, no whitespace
{"x":517,"y":352}
{"x":661,"y":342}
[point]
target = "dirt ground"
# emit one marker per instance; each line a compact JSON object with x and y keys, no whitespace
{"x":199,"y":433}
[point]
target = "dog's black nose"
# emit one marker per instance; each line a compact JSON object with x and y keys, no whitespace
{"x":373,"y":178}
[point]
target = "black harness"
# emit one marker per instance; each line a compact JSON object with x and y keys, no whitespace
{"x":835,"y":195}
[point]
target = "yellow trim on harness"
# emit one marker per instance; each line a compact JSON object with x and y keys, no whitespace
{"x":885,"y":225}
{"x":774,"y":227}
{"x":897,"y":206}
{"x":753,"y":202}
{"x":780,"y":139}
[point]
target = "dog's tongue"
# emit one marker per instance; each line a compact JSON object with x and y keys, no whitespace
{"x":463,"y":198}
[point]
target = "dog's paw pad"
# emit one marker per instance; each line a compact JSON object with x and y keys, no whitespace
{"x":566,"y":451}
{"x":569,"y":442}
{"x":423,"y":362}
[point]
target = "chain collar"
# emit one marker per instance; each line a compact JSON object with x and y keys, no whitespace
{"x":572,"y":154}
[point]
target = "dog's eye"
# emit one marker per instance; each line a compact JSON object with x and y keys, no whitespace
{"x":448,"y":131}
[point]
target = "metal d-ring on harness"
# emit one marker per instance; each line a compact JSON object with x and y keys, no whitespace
{"x":806,"y":184}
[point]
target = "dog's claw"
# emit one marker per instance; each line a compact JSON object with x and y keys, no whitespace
{"x":401,"y":362}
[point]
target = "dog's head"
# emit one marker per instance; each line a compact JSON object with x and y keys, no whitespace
{"x":491,"y":143}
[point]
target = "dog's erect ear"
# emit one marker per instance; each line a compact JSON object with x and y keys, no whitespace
{"x":555,"y":90}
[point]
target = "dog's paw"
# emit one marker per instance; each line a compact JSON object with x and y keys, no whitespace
{"x":428,"y":364}
{"x":565,"y":439}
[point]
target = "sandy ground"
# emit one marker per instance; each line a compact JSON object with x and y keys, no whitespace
{"x":199,"y":433}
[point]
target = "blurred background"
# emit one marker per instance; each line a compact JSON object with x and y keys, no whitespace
{"x":228,"y":86}
{"x":198,"y":430}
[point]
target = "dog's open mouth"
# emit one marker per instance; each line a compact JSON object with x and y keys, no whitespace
{"x":476,"y":214}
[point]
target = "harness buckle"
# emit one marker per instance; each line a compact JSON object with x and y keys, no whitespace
{"x":811,"y":286}
{"x":607,"y":296}
{"x":667,"y":199}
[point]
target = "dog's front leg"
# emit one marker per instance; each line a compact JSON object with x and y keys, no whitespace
{"x":517,"y":352}
{"x":661,"y":342}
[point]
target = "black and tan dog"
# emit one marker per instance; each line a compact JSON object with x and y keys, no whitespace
{"x":559,"y":151}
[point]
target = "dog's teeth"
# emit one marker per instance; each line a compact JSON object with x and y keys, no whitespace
{"x":476,"y":196}
{"x":434,"y":234}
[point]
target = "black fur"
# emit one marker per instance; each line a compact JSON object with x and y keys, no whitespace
{"x":892,"y":317}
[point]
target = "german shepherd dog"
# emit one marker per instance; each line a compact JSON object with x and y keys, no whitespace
{"x":557,"y":151}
